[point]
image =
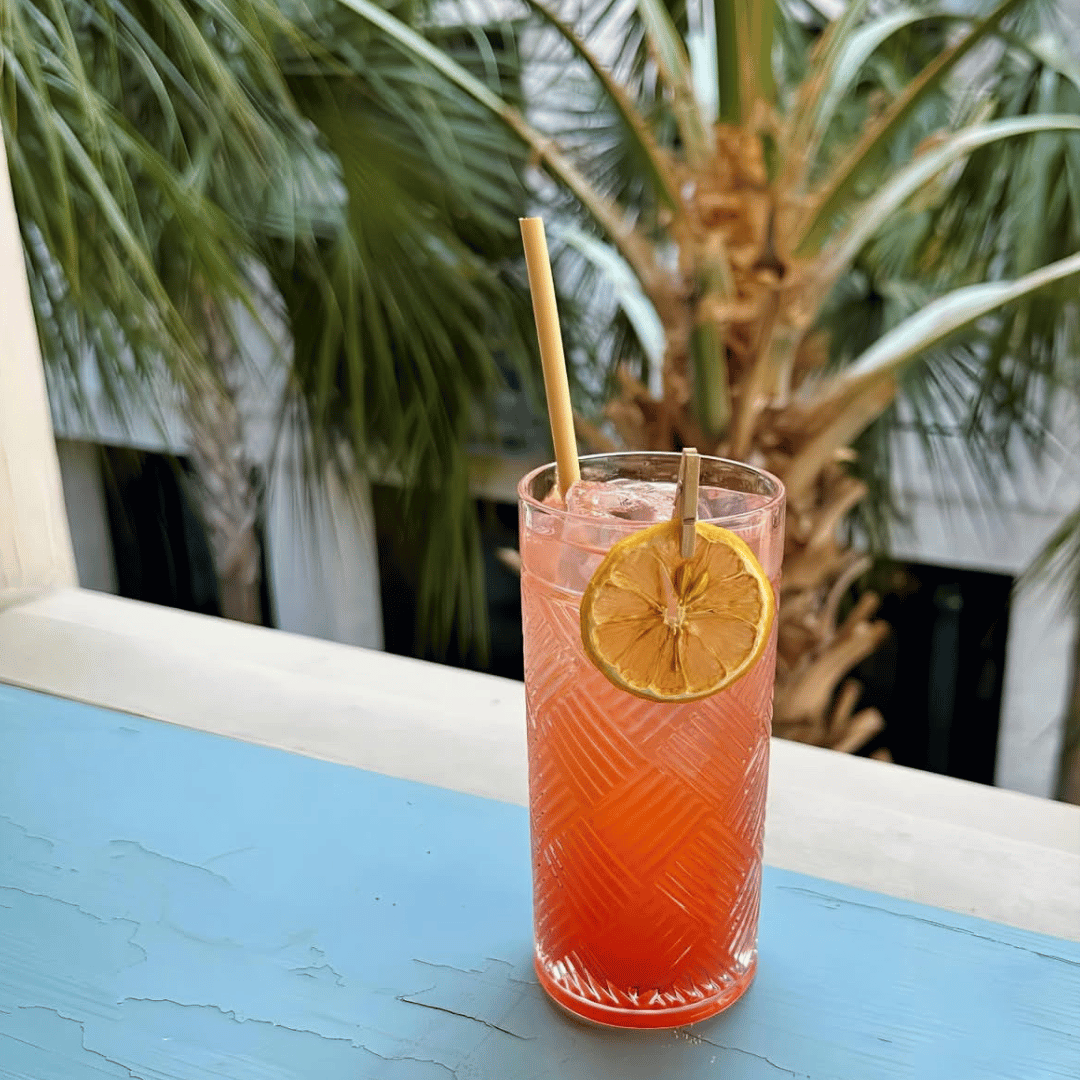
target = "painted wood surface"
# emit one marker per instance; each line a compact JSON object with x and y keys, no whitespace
{"x":174,"y":904}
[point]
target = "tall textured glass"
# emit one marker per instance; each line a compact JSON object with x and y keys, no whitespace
{"x":646,"y":816}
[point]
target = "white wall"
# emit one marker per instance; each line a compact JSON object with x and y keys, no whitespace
{"x":87,"y":512}
{"x":323,"y":560}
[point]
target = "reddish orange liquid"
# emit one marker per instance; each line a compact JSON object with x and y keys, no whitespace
{"x":647,"y":823}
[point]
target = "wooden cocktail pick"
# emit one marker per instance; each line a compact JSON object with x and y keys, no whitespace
{"x":686,"y":500}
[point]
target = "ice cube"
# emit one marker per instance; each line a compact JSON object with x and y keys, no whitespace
{"x":630,"y":500}
{"x":650,"y":500}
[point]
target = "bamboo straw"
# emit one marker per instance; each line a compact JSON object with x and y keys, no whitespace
{"x":556,"y":386}
{"x":686,"y":500}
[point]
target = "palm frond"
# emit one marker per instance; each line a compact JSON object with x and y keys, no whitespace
{"x":841,"y":67}
{"x":645,"y":145}
{"x":673,"y":62}
{"x":636,"y":306}
{"x":608,"y":215}
{"x":895,"y":192}
{"x":944,"y":317}
{"x":742,"y":47}
{"x":878,"y":135}
{"x":396,"y":347}
{"x":159,"y":153}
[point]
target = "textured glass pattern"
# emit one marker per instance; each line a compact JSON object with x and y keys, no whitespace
{"x":647,"y":817}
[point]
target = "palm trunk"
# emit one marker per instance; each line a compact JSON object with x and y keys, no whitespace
{"x":819,"y":642}
{"x":817,"y":647}
{"x":227,"y":497}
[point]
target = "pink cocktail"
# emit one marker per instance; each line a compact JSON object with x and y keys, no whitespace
{"x":646,"y":816}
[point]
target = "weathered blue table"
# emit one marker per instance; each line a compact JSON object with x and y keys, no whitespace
{"x":175,"y":904}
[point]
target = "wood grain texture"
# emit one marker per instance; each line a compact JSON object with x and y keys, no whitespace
{"x":179,"y":906}
{"x":35,"y":546}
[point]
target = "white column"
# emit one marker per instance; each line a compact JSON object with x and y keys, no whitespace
{"x":1038,"y":674}
{"x":35,"y":546}
{"x":87,"y":511}
{"x":322,"y":558}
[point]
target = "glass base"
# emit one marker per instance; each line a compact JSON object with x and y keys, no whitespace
{"x":607,"y":1016}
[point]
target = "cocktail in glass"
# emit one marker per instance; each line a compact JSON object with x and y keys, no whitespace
{"x":646,"y":816}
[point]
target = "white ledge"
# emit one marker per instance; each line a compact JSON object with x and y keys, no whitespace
{"x":964,"y":847}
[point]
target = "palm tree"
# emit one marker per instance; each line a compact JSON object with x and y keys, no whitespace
{"x":809,"y":222}
{"x":175,"y":162}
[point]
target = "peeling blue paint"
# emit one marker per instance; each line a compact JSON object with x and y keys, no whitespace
{"x":177,"y":906}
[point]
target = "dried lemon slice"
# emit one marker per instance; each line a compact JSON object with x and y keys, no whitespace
{"x":673,"y":629}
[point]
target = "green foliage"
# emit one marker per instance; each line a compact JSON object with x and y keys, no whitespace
{"x":1009,"y":207}
{"x":137,"y":156}
{"x":174,"y":157}
{"x":348,"y":149}
{"x":934,"y":104}
{"x":396,"y":346}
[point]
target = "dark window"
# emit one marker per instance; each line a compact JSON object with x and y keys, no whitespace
{"x":159,"y":541}
{"x":937,"y":679}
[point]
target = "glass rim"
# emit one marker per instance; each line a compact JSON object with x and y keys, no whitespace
{"x":775,"y":500}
